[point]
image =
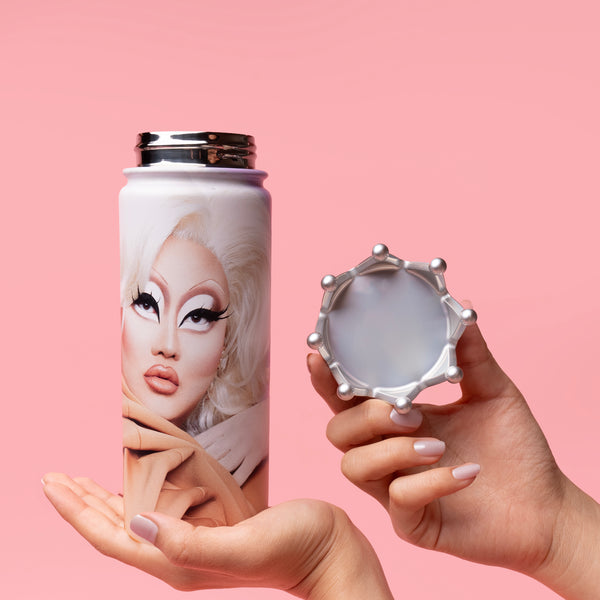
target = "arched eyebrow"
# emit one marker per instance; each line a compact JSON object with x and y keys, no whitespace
{"x":161,"y":282}
{"x":210,"y":287}
{"x":158,"y":276}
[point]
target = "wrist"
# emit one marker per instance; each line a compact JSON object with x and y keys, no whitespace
{"x":349,"y":568}
{"x":572,"y":566}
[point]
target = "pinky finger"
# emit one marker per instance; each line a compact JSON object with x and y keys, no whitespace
{"x":410,"y":496}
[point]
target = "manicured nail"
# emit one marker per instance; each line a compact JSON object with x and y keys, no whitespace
{"x":43,"y":482}
{"x":466,"y":471}
{"x":411,"y":420}
{"x":144,"y":527}
{"x":429,"y":447}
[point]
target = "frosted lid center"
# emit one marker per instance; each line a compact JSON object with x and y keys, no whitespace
{"x":387,"y":328}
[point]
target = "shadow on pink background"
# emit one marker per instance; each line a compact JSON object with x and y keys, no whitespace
{"x":461,"y":129}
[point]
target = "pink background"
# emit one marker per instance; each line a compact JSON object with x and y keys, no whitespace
{"x":463,"y":129}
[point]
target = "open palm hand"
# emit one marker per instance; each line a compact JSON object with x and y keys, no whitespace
{"x":308,"y":548}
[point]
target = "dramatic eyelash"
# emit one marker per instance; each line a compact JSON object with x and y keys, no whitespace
{"x":135,"y":298}
{"x":209,"y":315}
{"x":147,"y":297}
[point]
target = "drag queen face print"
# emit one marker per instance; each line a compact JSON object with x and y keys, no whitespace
{"x":194,"y":306}
{"x":174,"y":330}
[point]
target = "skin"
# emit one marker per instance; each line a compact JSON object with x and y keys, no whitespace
{"x":520,"y":512}
{"x":185,"y":277}
{"x":305,"y":547}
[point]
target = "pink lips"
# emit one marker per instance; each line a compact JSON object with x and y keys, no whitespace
{"x":162,"y":380}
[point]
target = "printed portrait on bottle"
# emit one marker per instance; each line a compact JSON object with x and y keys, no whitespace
{"x":195,"y":351}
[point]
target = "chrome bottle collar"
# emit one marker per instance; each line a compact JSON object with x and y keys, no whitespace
{"x":208,"y":148}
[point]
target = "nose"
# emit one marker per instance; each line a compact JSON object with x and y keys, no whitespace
{"x":166,"y":342}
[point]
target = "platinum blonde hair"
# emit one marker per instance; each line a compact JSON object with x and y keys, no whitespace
{"x":237,"y":233}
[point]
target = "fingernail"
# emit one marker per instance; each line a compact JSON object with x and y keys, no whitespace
{"x":43,"y":482}
{"x":429,"y":447}
{"x":466,"y":471}
{"x":411,"y":420}
{"x":144,"y":527}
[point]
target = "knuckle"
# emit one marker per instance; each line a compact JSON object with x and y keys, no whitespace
{"x":351,"y":466}
{"x":332,"y":433}
{"x":372,"y":416}
{"x":405,"y":497}
{"x":397,"y":492}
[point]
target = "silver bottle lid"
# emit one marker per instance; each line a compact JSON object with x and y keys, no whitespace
{"x":208,"y":148}
{"x":388,"y":328}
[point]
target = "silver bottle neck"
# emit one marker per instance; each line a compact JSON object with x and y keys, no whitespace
{"x":206,"y":148}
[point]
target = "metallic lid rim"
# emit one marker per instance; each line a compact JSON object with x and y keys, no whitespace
{"x":444,"y":369}
{"x":208,"y":148}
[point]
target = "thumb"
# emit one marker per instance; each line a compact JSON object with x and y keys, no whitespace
{"x":211,"y":548}
{"x":483,"y":378}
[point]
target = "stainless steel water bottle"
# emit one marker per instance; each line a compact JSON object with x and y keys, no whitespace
{"x":195,"y":268}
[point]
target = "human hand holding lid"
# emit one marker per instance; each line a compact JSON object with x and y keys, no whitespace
{"x":520,"y":512}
